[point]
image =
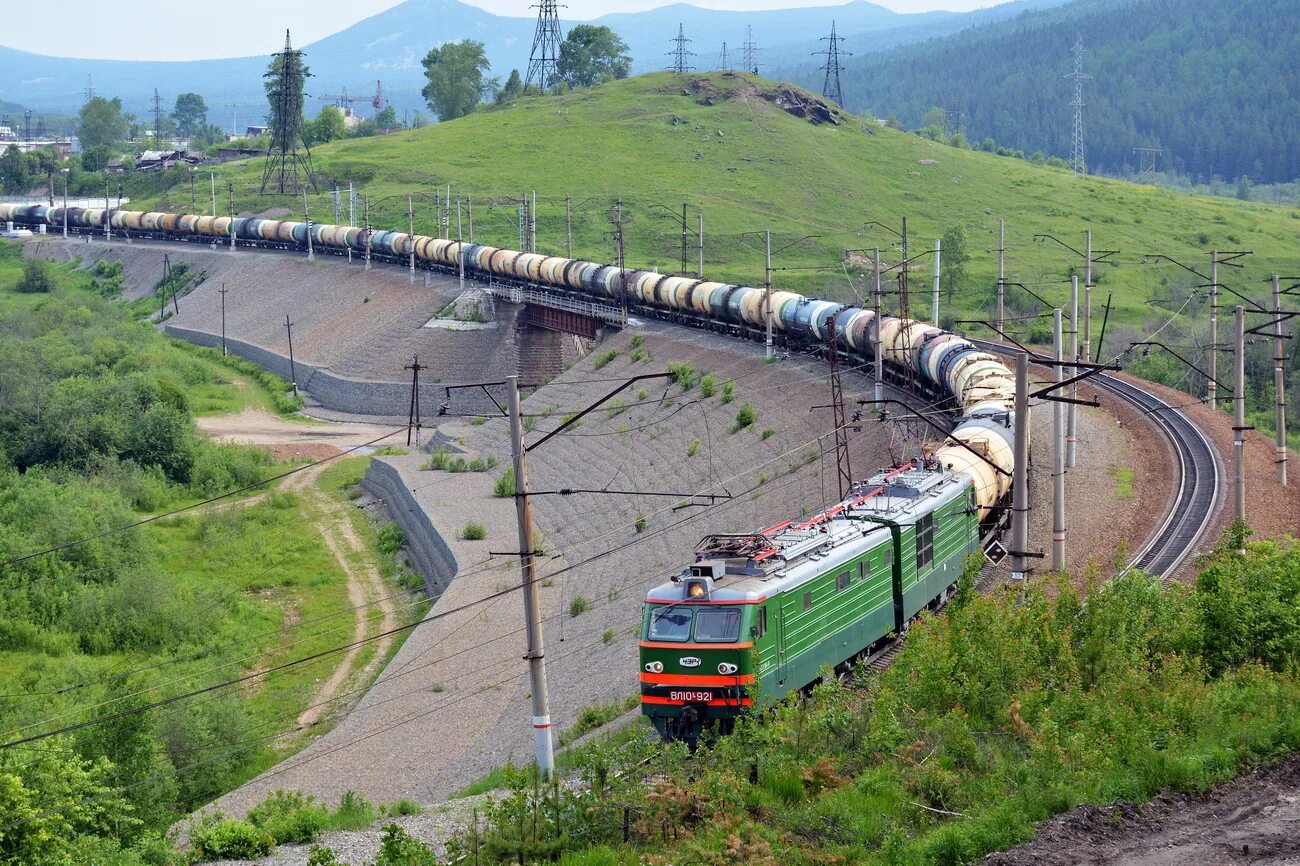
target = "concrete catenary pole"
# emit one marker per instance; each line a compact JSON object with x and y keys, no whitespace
{"x":1239,"y":417}
{"x":293,"y":369}
{"x":212,"y":175}
{"x":1058,"y":454}
{"x":108,"y":212}
{"x":568,"y":226}
{"x":877,"y":356}
{"x":767,"y":288}
{"x":460,"y":247}
{"x":306,"y":216}
{"x":65,"y":209}
{"x":699,"y":270}
{"x":352,"y":213}
{"x":1279,"y":385}
{"x":410,"y":234}
{"x":1020,"y":472}
{"x":1087,"y":297}
{"x":934,"y":317}
{"x":532,"y":225}
{"x":1072,"y":410}
{"x":230,"y":196}
{"x":1212,"y":387}
{"x":367,"y":230}
{"x":469,"y":217}
{"x":1002,"y":276}
{"x":532,"y":604}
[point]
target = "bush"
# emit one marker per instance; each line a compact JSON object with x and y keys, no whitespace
{"x":603,"y":360}
{"x":744,"y":418}
{"x":608,"y":636}
{"x":400,"y":848}
{"x":708,"y":384}
{"x":403,"y":808}
{"x":768,"y":434}
{"x":728,"y":391}
{"x":391,"y":539}
{"x":36,"y":277}
{"x":355,"y":812}
{"x":683,"y":374}
{"x":219,"y":838}
{"x":290,"y":818}
{"x":505,"y":484}
{"x":578,"y":606}
{"x":640,"y":524}
{"x":693,"y":448}
{"x":474,"y":531}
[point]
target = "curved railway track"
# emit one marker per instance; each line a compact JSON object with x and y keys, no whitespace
{"x":1198,"y":481}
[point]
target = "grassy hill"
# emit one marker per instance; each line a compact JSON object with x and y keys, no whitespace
{"x":725,"y":144}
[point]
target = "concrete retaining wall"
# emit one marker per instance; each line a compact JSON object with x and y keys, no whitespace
{"x":424,"y":546}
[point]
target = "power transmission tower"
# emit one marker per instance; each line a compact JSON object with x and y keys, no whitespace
{"x":157,"y":117}
{"x":724,"y":62}
{"x":543,"y":69}
{"x":90,"y":88}
{"x":679,"y":53}
{"x":1147,"y":157}
{"x":1077,"y":164}
{"x":831,"y":87}
{"x":284,"y":163}
{"x":749,"y":52}
{"x":414,"y":420}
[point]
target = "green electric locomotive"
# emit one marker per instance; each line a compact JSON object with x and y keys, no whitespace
{"x":759,"y":615}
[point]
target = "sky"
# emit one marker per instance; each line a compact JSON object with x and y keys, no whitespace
{"x":201,"y":30}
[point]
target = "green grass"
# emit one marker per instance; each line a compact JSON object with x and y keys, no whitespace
{"x":1124,"y":477}
{"x":750,"y":165}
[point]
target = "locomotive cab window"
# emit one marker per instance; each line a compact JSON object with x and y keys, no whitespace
{"x":717,"y":625}
{"x":669,"y":624}
{"x":760,"y":623}
{"x":924,"y":541}
{"x":807,"y":601}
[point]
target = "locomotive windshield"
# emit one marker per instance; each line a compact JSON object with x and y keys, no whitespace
{"x":670,"y":623}
{"x":717,"y":625}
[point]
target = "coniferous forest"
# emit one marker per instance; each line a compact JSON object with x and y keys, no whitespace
{"x":1214,"y":83}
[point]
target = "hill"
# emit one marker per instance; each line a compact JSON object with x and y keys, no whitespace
{"x":390,"y":45}
{"x":734,"y":147}
{"x":1213,"y":83}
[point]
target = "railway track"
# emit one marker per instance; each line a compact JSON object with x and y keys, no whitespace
{"x":1185,"y":522}
{"x":1198,"y":482}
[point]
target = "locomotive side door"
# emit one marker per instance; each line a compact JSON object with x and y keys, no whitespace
{"x":780,"y":644}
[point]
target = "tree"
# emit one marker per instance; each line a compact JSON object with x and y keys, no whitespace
{"x":387,"y":119}
{"x":953,"y":259}
{"x":591,"y":55}
{"x":95,"y":158}
{"x":328,"y":126}
{"x":101,"y":123}
{"x":418,"y":120}
{"x":455,"y":75}
{"x":15,"y":171}
{"x":36,"y":277}
{"x":513,"y":87}
{"x":190,"y":114}
{"x":934,"y":123}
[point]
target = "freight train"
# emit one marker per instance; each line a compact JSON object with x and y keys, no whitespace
{"x":755,"y":615}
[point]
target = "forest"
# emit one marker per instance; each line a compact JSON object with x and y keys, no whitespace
{"x":1214,"y":85}
{"x":97,"y":625}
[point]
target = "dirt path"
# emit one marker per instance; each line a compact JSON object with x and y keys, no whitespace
{"x":365,"y":589}
{"x":1253,"y":819}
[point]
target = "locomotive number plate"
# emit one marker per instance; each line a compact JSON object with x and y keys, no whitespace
{"x":690,"y":696}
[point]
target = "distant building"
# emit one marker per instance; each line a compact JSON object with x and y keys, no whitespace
{"x":350,"y":118}
{"x":256,"y":131}
{"x":63,"y":146}
{"x":160,"y":160}
{"x":225,"y":154}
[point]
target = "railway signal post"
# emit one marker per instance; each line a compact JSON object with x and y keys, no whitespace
{"x":532,"y":603}
{"x":1019,"y":475}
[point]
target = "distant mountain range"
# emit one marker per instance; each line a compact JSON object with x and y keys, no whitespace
{"x":1213,"y":84}
{"x":389,"y":46}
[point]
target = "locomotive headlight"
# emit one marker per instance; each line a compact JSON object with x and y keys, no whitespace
{"x":726,"y":669}
{"x":654,"y":667}
{"x":697,"y":589}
